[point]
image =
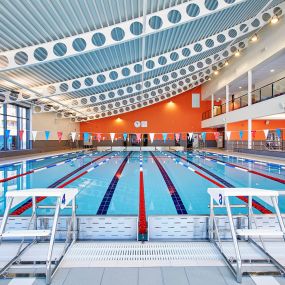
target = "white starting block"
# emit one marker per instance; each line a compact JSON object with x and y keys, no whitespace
{"x":220,"y":198}
{"x":63,"y":197}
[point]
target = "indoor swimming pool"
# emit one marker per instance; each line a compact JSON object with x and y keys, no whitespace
{"x":109,"y":182}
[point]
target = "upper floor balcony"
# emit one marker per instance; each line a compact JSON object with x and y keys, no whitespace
{"x":267,"y":92}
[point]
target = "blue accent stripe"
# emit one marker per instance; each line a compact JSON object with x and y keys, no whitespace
{"x":105,"y":203}
{"x":180,"y":208}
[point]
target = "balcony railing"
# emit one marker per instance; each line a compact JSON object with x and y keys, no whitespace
{"x":266,"y":92}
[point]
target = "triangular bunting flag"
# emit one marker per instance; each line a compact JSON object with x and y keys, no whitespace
{"x":203,"y":135}
{"x":177,"y":137}
{"x":216,"y":135}
{"x":138,"y":137}
{"x":253,"y":134}
{"x":164,"y":135}
{"x":98,"y":137}
{"x":7,"y":134}
{"x":47,"y":133}
{"x":228,"y":134}
{"x":112,"y":135}
{"x":125,"y":136}
{"x":21,"y":133}
{"x":85,"y":137}
{"x":278,"y":133}
{"x":59,"y":135}
{"x":190,"y":136}
{"x":266,"y":133}
{"x":73,"y":136}
{"x":34,"y":135}
{"x":240,"y":134}
{"x":151,"y":135}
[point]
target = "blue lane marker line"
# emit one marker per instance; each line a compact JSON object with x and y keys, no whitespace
{"x":180,"y":208}
{"x":105,"y":203}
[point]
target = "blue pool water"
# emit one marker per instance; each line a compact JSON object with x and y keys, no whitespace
{"x":113,"y":186}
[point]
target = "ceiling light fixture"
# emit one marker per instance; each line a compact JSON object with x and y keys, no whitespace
{"x":274,"y":20}
{"x":240,"y":87}
{"x":216,"y":72}
{"x":226,"y":63}
{"x":237,"y":53}
{"x":254,"y":38}
{"x":272,"y":70}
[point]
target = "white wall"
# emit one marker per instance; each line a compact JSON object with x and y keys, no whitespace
{"x":48,"y":122}
{"x":272,"y":41}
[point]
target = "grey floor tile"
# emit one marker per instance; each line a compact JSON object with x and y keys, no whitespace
{"x":4,"y":281}
{"x":60,"y":276}
{"x":204,"y":275}
{"x":174,"y":275}
{"x":120,"y":276}
{"x":86,"y":276}
{"x":230,"y":278}
{"x":280,"y":280}
{"x":150,"y":276}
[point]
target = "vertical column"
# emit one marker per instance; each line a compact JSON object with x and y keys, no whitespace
{"x":227,"y":98}
{"x":212,"y":105}
{"x":249,"y":137}
{"x":249,"y":87}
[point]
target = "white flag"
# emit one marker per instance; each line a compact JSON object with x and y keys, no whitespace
{"x":73,"y":136}
{"x":112,"y":135}
{"x":190,"y":136}
{"x":34,"y":135}
{"x":228,"y":133}
{"x":151,"y":135}
{"x":266,"y":133}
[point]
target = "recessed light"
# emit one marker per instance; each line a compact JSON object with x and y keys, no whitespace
{"x":274,"y":20}
{"x":272,"y":70}
{"x":216,"y":72}
{"x":254,"y":38}
{"x":237,"y":53}
{"x":226,"y":63}
{"x":240,"y":87}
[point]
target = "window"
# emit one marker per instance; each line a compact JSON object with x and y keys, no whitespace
{"x":13,"y":119}
{"x":195,"y":100}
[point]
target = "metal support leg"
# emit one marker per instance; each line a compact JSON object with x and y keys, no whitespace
{"x":74,"y":220}
{"x":278,"y":214}
{"x":51,"y":244}
{"x":232,"y":227}
{"x":211,"y":219}
{"x":9,"y":202}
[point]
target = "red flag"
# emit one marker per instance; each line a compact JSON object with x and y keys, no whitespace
{"x":21,"y":133}
{"x":216,"y":134}
{"x":253,"y":134}
{"x":59,"y":135}
{"x":138,"y":137}
{"x":177,"y":137}
{"x":98,"y":137}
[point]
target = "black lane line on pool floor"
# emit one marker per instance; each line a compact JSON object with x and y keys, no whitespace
{"x":180,"y":208}
{"x":256,"y":204}
{"x":105,"y":203}
{"x":28,"y":204}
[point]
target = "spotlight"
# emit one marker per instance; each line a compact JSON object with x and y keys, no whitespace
{"x":237,"y":53}
{"x":216,"y":72}
{"x":226,"y":63}
{"x":254,"y":38}
{"x":274,"y":20}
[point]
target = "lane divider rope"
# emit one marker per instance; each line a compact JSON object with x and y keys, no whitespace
{"x":28,"y":204}
{"x":255,"y":204}
{"x":142,"y":225}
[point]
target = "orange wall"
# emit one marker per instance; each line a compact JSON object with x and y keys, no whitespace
{"x":257,"y":125}
{"x":170,"y":116}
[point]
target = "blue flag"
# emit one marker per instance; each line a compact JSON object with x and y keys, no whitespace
{"x":85,"y":137}
{"x":278,"y":132}
{"x":164,"y":135}
{"x":203,"y":135}
{"x":240,"y":134}
{"x":125,"y":135}
{"x":7,"y":133}
{"x":47,"y":133}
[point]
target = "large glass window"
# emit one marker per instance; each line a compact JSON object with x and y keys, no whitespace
{"x":13,"y":120}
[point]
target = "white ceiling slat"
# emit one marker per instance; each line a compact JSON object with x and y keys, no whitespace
{"x":48,"y":21}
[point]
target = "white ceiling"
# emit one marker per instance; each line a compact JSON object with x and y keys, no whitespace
{"x":273,"y":117}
